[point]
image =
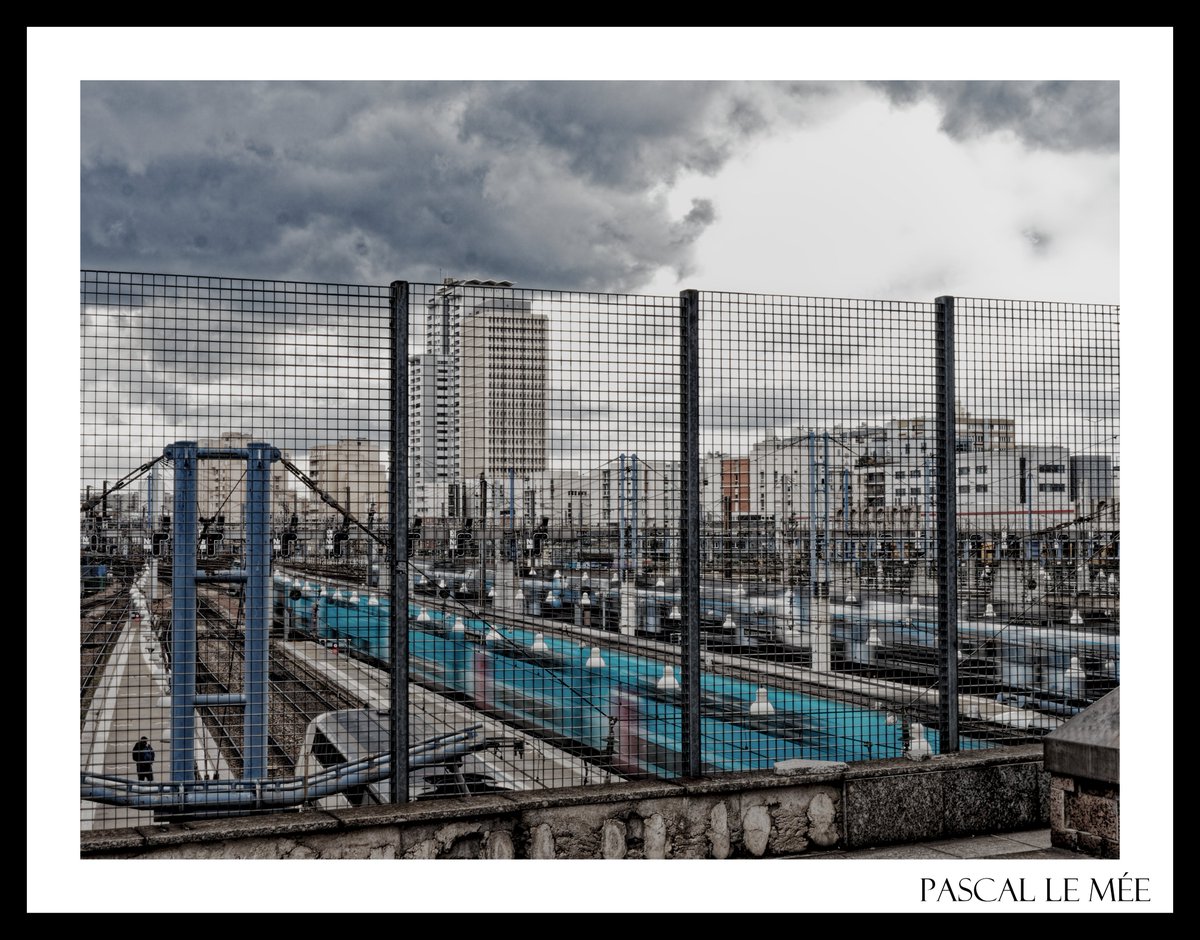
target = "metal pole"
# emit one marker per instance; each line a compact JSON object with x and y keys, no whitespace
{"x":621,"y":517}
{"x":846,"y":501}
{"x":825,"y":505}
{"x":183,"y":613}
{"x":398,"y":509}
{"x":947,"y":528}
{"x":929,"y":482}
{"x":812,"y":516}
{"x":633,"y":463}
{"x":258,"y":565}
{"x":689,"y":524}
{"x":482,"y":537}
{"x":153,"y":559}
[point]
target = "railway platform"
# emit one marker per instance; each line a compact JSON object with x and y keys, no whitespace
{"x":133,"y":699}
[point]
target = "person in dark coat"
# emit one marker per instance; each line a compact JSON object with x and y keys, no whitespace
{"x":143,"y":756}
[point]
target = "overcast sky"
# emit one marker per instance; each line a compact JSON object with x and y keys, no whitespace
{"x":898,"y":190}
{"x":847,"y":190}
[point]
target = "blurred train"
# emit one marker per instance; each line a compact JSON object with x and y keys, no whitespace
{"x":621,"y":711}
{"x":624,"y":711}
{"x":452,"y":580}
{"x":1055,"y":662}
{"x":1052,"y":666}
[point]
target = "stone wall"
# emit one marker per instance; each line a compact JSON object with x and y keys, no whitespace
{"x":814,"y":808}
{"x":1085,"y":815}
{"x":1083,"y":758}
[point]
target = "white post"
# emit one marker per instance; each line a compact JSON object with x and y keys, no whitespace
{"x":819,"y":628}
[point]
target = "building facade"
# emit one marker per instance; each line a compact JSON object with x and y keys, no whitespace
{"x":351,"y":472}
{"x":477,"y":398}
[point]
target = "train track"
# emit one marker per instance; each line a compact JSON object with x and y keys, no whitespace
{"x":220,"y":655}
{"x":299,"y":693}
{"x":99,"y":629}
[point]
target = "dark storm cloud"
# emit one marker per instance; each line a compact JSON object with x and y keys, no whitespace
{"x":625,"y":135}
{"x":556,"y":184}
{"x":1062,"y":116}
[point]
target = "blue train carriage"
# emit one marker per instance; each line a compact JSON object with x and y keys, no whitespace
{"x":443,"y":761}
{"x":337,"y":615}
{"x":555,"y":689}
{"x":93,"y":577}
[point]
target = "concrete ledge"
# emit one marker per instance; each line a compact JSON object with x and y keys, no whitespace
{"x":789,"y":768}
{"x":1089,"y":745}
{"x":815,"y":807}
{"x":896,"y":800}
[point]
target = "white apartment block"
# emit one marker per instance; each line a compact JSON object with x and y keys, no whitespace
{"x":477,"y":397}
{"x":428,"y":476}
{"x":503,"y":387}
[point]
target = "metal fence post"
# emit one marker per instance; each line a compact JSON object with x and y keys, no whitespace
{"x":258,"y":584}
{"x":183,"y":613}
{"x":947,"y":529}
{"x":689,"y":523}
{"x":398,"y":509}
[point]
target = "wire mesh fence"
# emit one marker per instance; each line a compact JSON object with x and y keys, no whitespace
{"x":219,"y":365}
{"x":542,"y":440}
{"x":1038,"y":487}
{"x":817,"y":486}
{"x":615,"y":536}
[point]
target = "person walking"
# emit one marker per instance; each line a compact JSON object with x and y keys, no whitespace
{"x":143,"y":756}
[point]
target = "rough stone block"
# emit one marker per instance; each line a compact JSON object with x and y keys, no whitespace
{"x":654,"y":831}
{"x":468,"y":845}
{"x":899,"y":808}
{"x":1058,"y":812}
{"x":796,"y":766}
{"x":789,"y":833}
{"x":498,"y":844}
{"x":427,"y":848}
{"x":718,"y":830}
{"x":756,"y":829}
{"x":1092,"y":814}
{"x":612,"y":839}
{"x":453,"y":832}
{"x":992,"y":799}
{"x":822,"y":820}
{"x":541,"y":842}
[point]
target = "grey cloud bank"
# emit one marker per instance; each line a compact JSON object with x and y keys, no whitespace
{"x":1056,"y":115}
{"x":551,"y":184}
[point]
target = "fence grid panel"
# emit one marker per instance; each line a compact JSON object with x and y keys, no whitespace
{"x":277,"y":476}
{"x":218,"y":365}
{"x":1038,"y":492}
{"x":543,"y":486}
{"x":819,"y":591}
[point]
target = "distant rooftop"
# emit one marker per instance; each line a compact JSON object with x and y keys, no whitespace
{"x":474,"y":282}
